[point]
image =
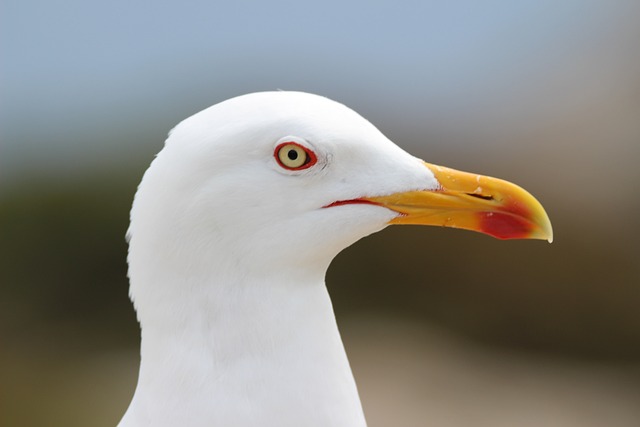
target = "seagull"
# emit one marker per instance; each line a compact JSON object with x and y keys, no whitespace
{"x":232,"y":230}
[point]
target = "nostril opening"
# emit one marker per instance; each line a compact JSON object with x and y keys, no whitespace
{"x":480,"y":196}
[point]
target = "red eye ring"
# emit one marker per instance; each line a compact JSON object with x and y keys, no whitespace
{"x":288,"y":155}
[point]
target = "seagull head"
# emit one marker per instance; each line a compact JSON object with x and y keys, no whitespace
{"x":277,"y":179}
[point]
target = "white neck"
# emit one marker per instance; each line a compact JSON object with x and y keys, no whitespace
{"x":254,"y":352}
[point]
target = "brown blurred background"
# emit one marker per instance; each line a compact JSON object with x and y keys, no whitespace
{"x":545,"y":94}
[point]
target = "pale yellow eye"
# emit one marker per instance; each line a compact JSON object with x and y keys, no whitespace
{"x":293,"y":156}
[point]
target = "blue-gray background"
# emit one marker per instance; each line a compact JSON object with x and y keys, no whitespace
{"x":543,"y":93}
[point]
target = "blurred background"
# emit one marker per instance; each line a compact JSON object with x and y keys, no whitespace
{"x":443,"y":327}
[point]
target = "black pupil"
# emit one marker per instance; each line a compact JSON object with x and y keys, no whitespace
{"x":292,"y":154}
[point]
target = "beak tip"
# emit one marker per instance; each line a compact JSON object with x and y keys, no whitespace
{"x":545,"y":224}
{"x":549,"y":232}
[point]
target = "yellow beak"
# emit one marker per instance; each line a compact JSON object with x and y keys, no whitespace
{"x":471,"y":202}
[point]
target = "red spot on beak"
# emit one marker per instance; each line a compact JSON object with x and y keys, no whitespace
{"x":504,"y":225}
